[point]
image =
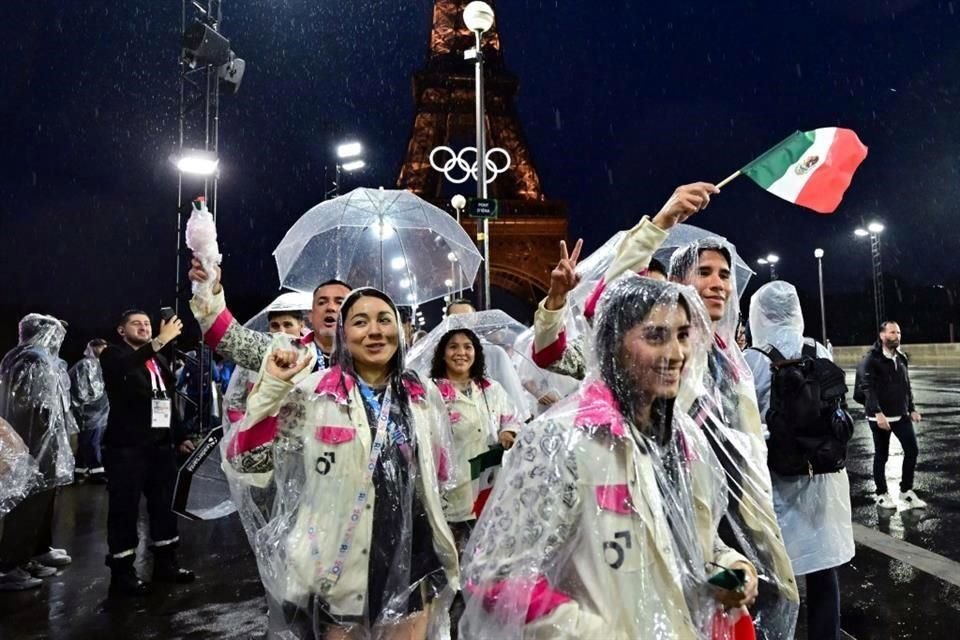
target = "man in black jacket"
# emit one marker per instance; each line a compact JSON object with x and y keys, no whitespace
{"x":889,"y":407}
{"x":139,"y":451}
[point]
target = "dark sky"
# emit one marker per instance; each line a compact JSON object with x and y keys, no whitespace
{"x":620,"y":102}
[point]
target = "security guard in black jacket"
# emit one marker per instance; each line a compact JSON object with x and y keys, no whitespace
{"x":139,"y":456}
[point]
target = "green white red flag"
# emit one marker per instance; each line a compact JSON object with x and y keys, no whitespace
{"x":483,"y":473}
{"x":810,"y":168}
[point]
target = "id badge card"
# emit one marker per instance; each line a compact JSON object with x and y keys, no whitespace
{"x":161,"y":414}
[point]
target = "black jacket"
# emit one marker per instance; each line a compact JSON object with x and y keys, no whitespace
{"x":886,"y":383}
{"x":130,"y":391}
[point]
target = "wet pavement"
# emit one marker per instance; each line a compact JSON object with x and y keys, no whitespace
{"x":884,"y":595}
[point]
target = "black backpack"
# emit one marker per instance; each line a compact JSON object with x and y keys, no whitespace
{"x":807,"y":420}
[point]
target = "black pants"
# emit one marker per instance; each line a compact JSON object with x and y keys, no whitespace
{"x":823,"y":605}
{"x":150,"y":471}
{"x":27,"y":530}
{"x":903,"y":429}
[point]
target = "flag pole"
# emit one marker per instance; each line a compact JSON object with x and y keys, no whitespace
{"x":728,"y":180}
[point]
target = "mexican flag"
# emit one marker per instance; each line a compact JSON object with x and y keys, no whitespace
{"x":483,"y":472}
{"x":810,"y":168}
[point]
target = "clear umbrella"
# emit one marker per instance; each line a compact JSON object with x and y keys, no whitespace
{"x":389,"y":239}
{"x":290,"y":301}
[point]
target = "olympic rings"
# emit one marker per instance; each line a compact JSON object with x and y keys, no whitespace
{"x":458,"y":162}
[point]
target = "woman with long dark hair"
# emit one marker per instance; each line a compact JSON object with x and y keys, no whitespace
{"x":481,"y":418}
{"x":604,"y":522}
{"x":358,"y":545}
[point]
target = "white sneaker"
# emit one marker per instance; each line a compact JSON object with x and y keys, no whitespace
{"x":54,"y":558}
{"x":911,"y":501}
{"x":18,"y":580}
{"x":38,"y":570}
{"x":885,"y":501}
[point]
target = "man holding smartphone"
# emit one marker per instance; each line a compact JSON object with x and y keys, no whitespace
{"x":141,"y":432}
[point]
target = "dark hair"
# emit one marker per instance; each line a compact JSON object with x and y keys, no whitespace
{"x":458,"y":301}
{"x":293,"y":313}
{"x":406,"y":314}
{"x":327,"y":283}
{"x":438,"y":367}
{"x":624,"y":305}
{"x":656,"y":266}
{"x":684,"y":260}
{"x":883,"y":325}
{"x":98,"y":342}
{"x":341,"y":354}
{"x":125,"y":316}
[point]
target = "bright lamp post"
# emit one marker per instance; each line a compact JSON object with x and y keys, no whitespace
{"x":818,"y":254}
{"x":771,"y":260}
{"x":873,"y":231}
{"x":458,"y":202}
{"x":348,"y":160}
{"x":478,"y":16}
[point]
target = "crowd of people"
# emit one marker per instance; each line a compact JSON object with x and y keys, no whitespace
{"x":667,"y":484}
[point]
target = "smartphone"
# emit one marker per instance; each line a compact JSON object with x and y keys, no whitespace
{"x":166,"y":313}
{"x":729,"y":579}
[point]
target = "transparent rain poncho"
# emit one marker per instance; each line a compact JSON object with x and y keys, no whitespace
{"x":88,"y":393}
{"x":498,"y":333}
{"x":480,"y":411}
{"x":604,"y":521}
{"x":18,"y":470}
{"x":35,"y":398}
{"x":355,"y":540}
{"x":729,"y":416}
{"x":814,"y":511}
{"x":545,"y":387}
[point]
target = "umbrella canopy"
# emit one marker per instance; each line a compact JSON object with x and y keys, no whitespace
{"x":301,"y":301}
{"x":389,"y":239}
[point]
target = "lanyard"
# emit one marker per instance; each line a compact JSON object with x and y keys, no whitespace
{"x":332,"y":575}
{"x":156,"y":380}
{"x":321,"y":362}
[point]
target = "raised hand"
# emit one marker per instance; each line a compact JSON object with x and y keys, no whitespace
{"x":169,"y":329}
{"x":285,"y":364}
{"x":687,"y":199}
{"x":198,"y":274}
{"x":564,"y":277}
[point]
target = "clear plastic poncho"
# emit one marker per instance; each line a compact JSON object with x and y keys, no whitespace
{"x":35,"y":398}
{"x":355,"y":540}
{"x":18,"y":469}
{"x":545,"y":387}
{"x":88,"y":393}
{"x":729,"y":416}
{"x":603,"y":523}
{"x":814,"y":511}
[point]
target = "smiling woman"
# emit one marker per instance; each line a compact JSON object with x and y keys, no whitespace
{"x":360,"y":452}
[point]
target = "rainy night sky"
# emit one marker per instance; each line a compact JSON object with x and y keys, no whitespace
{"x":620,"y":101}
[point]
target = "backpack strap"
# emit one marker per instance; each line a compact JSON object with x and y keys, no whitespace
{"x":809,"y":350}
{"x":771,"y":352}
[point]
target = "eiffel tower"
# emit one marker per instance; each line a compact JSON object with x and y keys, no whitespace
{"x":524,"y":239}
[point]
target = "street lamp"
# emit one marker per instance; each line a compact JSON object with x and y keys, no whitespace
{"x":348,"y":160}
{"x":818,"y":254}
{"x":458,"y":202}
{"x":771,"y":260}
{"x":873,"y":231}
{"x":198,"y":162}
{"x":478,"y":16}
